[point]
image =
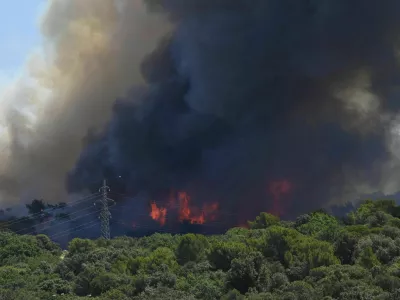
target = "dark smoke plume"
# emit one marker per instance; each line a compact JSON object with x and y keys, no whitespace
{"x":245,"y":93}
{"x":237,"y":97}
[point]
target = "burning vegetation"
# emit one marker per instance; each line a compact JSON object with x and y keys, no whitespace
{"x":185,"y":211}
{"x":180,"y":207}
{"x":158,"y":214}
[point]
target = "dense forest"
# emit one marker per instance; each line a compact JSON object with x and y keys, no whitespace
{"x":317,"y":256}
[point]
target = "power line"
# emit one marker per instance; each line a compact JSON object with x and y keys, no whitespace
{"x":43,"y":229}
{"x":93,"y":223}
{"x":40,"y":213}
{"x":67,"y":205}
{"x":207,"y":224}
{"x":73,"y":213}
{"x":65,"y":232}
{"x":105,"y":213}
{"x":90,"y":197}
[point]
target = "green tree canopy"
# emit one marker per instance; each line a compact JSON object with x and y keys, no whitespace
{"x":315,"y":257}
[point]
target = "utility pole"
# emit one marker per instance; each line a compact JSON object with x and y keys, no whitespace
{"x":105,"y":214}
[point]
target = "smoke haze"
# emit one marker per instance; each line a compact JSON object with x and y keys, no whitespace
{"x":232,"y":97}
{"x":91,"y":55}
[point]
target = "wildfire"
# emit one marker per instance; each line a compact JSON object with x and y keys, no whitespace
{"x":193,"y":214}
{"x":278,"y":189}
{"x":186,"y":212}
{"x":184,"y":200}
{"x":158,"y":214}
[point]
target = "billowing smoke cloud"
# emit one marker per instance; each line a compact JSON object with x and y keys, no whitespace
{"x":245,"y":93}
{"x":91,"y":55}
{"x":236,"y":96}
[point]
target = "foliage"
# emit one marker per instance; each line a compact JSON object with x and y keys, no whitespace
{"x":315,"y":257}
{"x":192,"y":248}
{"x":264,"y":220}
{"x":36,"y":206}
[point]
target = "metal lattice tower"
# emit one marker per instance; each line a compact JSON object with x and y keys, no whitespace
{"x":105,"y":214}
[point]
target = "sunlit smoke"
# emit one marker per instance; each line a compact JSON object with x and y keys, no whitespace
{"x":92,"y":54}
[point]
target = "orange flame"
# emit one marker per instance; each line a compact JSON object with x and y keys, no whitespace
{"x":192,"y":214}
{"x":186,"y":212}
{"x":158,"y":214}
{"x":184,"y":200}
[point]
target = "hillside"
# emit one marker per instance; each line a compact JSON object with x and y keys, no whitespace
{"x":316,"y":257}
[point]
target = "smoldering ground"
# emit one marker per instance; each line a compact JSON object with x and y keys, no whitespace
{"x":245,"y":93}
{"x":238,"y":94}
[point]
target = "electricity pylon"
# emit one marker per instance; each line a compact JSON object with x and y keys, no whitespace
{"x":105,"y":214}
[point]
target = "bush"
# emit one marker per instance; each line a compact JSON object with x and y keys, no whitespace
{"x":316,"y":257}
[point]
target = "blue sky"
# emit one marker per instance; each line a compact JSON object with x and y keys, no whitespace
{"x":19,"y":34}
